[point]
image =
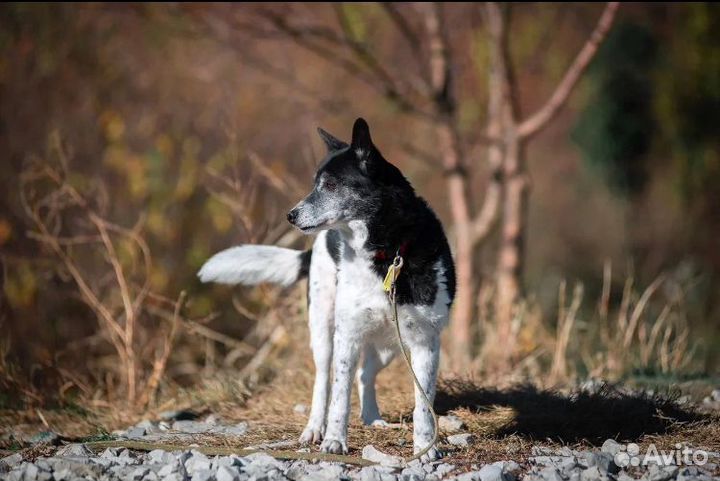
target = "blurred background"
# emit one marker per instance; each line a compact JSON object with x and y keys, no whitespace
{"x":571,"y":150}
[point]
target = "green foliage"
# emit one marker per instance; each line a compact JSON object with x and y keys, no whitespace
{"x":615,"y":129}
{"x":688,"y":103}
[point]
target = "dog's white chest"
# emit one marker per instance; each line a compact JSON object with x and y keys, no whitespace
{"x":360,"y":294}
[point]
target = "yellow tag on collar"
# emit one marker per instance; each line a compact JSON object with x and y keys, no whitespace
{"x":392,"y":274}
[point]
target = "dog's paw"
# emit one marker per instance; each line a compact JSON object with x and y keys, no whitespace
{"x":432,"y":455}
{"x":333,"y":446}
{"x":311,"y":435}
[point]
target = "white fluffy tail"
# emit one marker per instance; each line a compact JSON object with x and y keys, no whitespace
{"x":254,"y":264}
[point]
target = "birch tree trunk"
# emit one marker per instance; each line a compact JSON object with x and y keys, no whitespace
{"x":456,"y":181}
{"x":504,"y":116}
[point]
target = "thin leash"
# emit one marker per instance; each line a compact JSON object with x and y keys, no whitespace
{"x":390,"y":287}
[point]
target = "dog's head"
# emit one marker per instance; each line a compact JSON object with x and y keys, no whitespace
{"x":350,"y":184}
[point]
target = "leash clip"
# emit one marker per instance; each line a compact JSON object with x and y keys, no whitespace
{"x":393,"y":273}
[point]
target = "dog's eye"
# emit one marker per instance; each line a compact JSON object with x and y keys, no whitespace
{"x":329,"y":185}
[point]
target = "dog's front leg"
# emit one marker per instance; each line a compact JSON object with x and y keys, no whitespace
{"x":425,"y":354}
{"x":322,"y":318}
{"x":345,"y":359}
{"x":321,"y":333}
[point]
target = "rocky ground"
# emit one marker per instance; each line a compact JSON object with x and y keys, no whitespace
{"x":76,"y":461}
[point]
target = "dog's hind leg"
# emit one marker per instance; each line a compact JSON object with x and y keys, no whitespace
{"x":321,"y":309}
{"x":373,"y":362}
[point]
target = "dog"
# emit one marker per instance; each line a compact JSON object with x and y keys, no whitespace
{"x":365,"y":212}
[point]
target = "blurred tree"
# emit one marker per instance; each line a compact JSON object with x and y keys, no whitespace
{"x":616,"y":128}
{"x":511,"y":134}
{"x":428,"y":92}
{"x":688,"y":115}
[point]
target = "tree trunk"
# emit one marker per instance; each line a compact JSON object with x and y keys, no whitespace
{"x":449,"y":146}
{"x":503,"y":111}
{"x":458,"y":195}
{"x":510,"y":256}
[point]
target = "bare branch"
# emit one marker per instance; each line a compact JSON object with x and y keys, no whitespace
{"x":286,"y":185}
{"x":537,"y":121}
{"x":361,"y":50}
{"x":484,"y":222}
{"x":440,"y":59}
{"x":46,"y":212}
{"x":258,"y":359}
{"x":502,"y":102}
{"x":65,"y":241}
{"x":306,"y":37}
{"x":161,"y":360}
{"x":88,"y":295}
{"x":127,"y":304}
{"x":411,"y":38}
{"x":217,"y":30}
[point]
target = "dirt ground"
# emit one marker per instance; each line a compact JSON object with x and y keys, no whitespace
{"x":508,"y":419}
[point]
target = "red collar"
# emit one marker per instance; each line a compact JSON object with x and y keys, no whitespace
{"x":383,"y":255}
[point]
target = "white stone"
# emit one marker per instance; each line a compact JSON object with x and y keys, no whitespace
{"x":593,"y":473}
{"x":161,"y":457}
{"x":371,"y":453}
{"x":450,"y":423}
{"x":551,"y":474}
{"x":469,"y":476}
{"x":611,"y":446}
{"x":213,"y":419}
{"x":174,"y":477}
{"x":328,"y":472}
{"x":226,"y":473}
{"x":203,"y":475}
{"x":13,"y":460}
{"x":462,"y":440}
{"x":443,"y":469}
{"x":30,"y":471}
{"x":376,"y":473}
{"x":168,"y":469}
{"x":240,"y":429}
{"x":490,"y":472}
{"x":192,"y":427}
{"x":135,"y":432}
{"x":196,"y":464}
{"x":508,"y":466}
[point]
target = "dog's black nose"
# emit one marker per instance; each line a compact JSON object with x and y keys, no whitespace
{"x":292,"y":216}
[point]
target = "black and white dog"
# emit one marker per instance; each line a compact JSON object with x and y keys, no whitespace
{"x":366,"y":212}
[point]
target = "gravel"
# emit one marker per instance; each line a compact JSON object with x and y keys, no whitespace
{"x":75,"y":461}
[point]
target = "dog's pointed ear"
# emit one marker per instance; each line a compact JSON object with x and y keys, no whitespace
{"x":363,"y":147}
{"x":361,"y":136}
{"x":331,"y":142}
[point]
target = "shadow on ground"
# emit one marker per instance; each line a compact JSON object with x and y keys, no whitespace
{"x":575,"y":417}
